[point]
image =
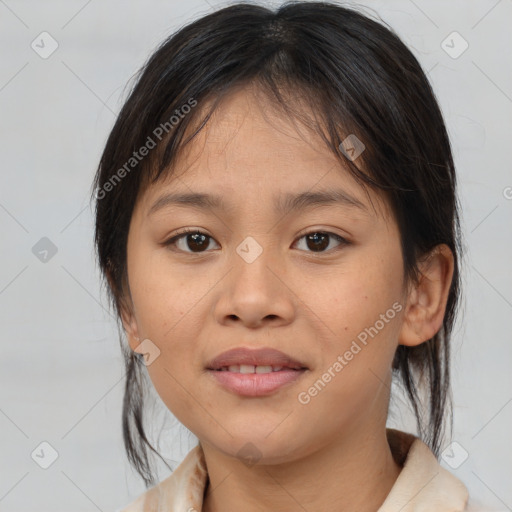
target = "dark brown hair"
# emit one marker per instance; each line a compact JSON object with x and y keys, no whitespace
{"x":358,"y":78}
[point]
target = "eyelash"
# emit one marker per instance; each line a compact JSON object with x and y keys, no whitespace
{"x":186,"y":231}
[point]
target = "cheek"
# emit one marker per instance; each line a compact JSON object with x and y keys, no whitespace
{"x":355,"y":295}
{"x":362,"y":308}
{"x":162,"y":293}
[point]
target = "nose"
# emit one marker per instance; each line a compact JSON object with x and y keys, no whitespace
{"x":255,"y":292}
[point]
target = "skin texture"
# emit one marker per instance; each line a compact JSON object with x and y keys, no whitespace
{"x":328,"y":454}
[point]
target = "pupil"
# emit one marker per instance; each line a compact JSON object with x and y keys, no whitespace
{"x":196,"y":237}
{"x":322,"y":244}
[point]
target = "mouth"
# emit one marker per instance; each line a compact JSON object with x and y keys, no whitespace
{"x":255,"y":372}
{"x":260,"y":360}
{"x":250,"y":368}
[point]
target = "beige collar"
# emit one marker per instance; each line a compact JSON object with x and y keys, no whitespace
{"x":422,"y":485}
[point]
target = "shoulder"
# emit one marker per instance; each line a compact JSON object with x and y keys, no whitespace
{"x":474,"y":506}
{"x":135,"y":506}
{"x":423,"y":484}
{"x":182,"y":490}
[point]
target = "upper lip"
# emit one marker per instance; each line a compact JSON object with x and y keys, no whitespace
{"x":256,"y":357}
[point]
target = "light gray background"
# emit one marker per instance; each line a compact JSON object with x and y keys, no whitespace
{"x":61,"y":377}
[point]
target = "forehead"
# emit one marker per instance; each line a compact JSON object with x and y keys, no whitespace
{"x":247,"y":127}
{"x":249,"y":147}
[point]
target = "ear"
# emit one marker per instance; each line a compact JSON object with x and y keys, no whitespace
{"x":130,"y":327}
{"x":426,"y":301}
{"x":127,"y":317}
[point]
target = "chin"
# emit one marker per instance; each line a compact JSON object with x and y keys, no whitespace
{"x":256,"y":446}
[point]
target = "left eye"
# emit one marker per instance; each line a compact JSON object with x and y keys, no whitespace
{"x":196,"y":241}
{"x":320,"y":240}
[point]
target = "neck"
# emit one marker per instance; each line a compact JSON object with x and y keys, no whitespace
{"x":355,"y":473}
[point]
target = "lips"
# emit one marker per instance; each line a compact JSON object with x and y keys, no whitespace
{"x":255,"y":372}
{"x":261,"y":357}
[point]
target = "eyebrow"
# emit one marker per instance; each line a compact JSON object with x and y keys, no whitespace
{"x":283,"y":204}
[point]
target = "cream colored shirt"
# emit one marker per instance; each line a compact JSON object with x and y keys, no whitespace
{"x":423,"y":485}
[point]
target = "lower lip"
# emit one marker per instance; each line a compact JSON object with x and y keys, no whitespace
{"x":256,"y":384}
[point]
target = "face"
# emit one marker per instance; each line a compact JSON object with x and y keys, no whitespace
{"x":322,"y":282}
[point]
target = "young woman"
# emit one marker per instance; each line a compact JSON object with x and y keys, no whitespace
{"x":277,"y":224}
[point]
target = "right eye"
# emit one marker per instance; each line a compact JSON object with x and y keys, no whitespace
{"x":191,"y":239}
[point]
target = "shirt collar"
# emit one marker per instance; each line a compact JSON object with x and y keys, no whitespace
{"x":422,"y":485}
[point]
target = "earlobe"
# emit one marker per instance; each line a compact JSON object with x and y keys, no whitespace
{"x":127,"y":315}
{"x":426,"y":301}
{"x":130,"y":327}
